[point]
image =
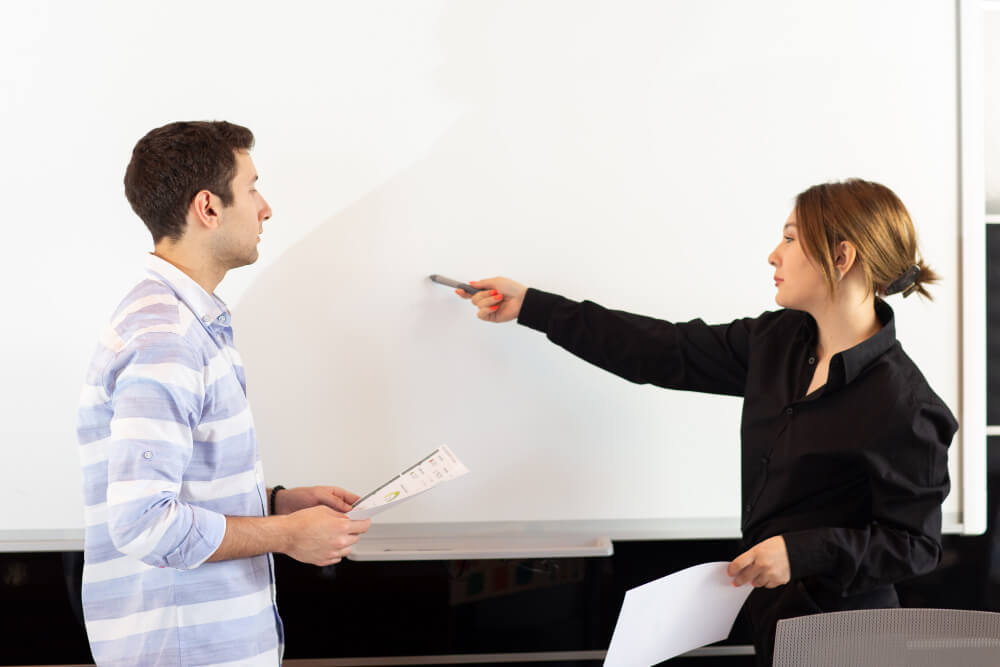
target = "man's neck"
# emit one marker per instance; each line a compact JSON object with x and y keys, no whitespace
{"x":199,"y":268}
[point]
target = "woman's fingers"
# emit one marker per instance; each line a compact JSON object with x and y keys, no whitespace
{"x":486,"y":297}
{"x":488,"y":302}
{"x":496,"y":299}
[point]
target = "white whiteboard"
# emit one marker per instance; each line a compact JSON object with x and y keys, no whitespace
{"x":640,"y":154}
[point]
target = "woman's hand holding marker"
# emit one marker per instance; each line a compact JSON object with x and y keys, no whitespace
{"x":499,"y":301}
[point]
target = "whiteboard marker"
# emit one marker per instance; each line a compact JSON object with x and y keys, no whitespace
{"x":441,"y":280}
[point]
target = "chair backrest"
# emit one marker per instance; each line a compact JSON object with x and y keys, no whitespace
{"x":890,"y":638}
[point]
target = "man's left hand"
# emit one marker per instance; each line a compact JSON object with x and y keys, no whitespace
{"x":301,"y":497}
{"x":766,"y":565}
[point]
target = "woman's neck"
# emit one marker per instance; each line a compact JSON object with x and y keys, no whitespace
{"x":845,"y":321}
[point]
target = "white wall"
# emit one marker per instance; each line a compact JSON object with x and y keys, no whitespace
{"x":991,"y":92}
{"x":641,"y":154}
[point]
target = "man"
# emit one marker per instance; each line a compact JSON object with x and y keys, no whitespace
{"x":180,"y":526}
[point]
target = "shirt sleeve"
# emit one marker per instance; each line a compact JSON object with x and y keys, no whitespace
{"x":909,"y":481}
{"x":690,"y":355}
{"x":157,"y":400}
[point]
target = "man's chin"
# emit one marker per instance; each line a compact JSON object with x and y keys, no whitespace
{"x":243,"y":261}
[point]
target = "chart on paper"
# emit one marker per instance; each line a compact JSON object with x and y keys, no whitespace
{"x":439,"y":466}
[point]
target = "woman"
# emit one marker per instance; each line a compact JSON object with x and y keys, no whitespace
{"x":844,"y":444}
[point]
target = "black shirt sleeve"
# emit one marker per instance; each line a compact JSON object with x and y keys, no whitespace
{"x":909,"y":481}
{"x":690,"y":355}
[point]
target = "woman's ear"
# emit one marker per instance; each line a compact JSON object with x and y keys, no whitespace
{"x":845,"y":258}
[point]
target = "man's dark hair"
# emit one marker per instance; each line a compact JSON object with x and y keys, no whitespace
{"x":171,"y":164}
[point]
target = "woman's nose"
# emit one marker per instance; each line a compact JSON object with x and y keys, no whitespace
{"x":772,"y":259}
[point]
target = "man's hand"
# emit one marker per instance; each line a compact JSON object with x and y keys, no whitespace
{"x":288,"y":501}
{"x":321,"y":536}
{"x":766,"y":565}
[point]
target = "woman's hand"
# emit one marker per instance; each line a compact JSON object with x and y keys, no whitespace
{"x":499,"y":301}
{"x":766,"y":565}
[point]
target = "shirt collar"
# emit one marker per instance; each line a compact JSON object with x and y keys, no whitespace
{"x":847,"y":365}
{"x":210,"y":309}
{"x":857,"y":358}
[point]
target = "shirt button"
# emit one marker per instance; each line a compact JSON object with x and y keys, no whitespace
{"x":748,"y":507}
{"x":763,"y":460}
{"x":789,"y":411}
{"x":812,"y":360}
{"x":206,"y":319}
{"x":147,"y":455}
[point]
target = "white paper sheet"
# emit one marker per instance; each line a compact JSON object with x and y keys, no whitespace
{"x":675,"y":614}
{"x":441,"y":465}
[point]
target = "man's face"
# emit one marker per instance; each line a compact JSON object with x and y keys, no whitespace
{"x":242,"y":222}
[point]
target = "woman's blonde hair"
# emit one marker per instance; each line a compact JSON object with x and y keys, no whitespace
{"x":872,"y":218}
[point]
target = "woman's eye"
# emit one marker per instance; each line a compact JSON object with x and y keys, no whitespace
{"x":788,"y":239}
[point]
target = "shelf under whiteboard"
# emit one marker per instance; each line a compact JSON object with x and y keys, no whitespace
{"x":479,"y":547}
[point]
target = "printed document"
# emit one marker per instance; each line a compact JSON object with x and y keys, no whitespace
{"x":441,"y":465}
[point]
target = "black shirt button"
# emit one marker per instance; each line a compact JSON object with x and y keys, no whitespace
{"x":763,"y":460}
{"x":812,"y":360}
{"x":748,"y":507}
{"x":789,"y":411}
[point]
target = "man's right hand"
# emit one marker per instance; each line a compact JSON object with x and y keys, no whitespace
{"x":320,"y":535}
{"x":499,"y":300}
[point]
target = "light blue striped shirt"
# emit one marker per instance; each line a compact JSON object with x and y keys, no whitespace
{"x":168,"y":450}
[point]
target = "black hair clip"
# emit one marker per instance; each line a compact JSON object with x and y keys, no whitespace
{"x":906,"y":283}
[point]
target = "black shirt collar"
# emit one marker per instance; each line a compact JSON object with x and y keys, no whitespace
{"x":847,"y":365}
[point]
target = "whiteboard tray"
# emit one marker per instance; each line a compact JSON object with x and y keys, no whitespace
{"x":480,"y":546}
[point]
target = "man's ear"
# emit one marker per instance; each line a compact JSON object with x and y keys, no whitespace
{"x":845,"y":258}
{"x":204,"y":209}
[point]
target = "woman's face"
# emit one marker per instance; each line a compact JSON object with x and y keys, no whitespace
{"x":800,"y":283}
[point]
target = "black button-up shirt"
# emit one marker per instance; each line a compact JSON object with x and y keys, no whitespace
{"x":852,"y":475}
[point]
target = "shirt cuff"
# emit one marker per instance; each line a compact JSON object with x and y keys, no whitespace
{"x":536,"y":309}
{"x":809,"y":554}
{"x":208,"y":528}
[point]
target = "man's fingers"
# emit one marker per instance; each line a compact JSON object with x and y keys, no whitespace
{"x":335,"y":502}
{"x":348,"y":496}
{"x":359,"y":527}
